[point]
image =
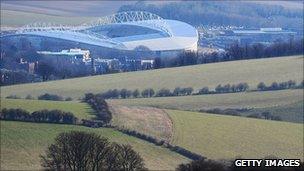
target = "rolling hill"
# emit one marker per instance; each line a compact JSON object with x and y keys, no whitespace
{"x":258,"y":99}
{"x":250,"y":71}
{"x":22,"y":143}
{"x":287,"y":104}
{"x":228,"y":137}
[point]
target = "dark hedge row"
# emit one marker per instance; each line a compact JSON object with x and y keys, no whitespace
{"x":177,"y":149}
{"x":97,"y":102}
{"x":47,"y":116}
{"x":238,"y":112}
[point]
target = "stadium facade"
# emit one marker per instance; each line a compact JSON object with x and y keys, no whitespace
{"x":126,"y":31}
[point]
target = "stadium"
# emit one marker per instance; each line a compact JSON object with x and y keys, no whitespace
{"x":126,"y":31}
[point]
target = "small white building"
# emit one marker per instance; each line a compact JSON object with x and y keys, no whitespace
{"x":73,"y":54}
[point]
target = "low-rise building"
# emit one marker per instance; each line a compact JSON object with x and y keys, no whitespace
{"x":72,"y":55}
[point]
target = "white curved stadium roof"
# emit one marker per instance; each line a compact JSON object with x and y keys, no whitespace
{"x":168,"y":35}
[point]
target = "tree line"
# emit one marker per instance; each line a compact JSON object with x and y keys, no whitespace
{"x":97,"y":102}
{"x":221,"y":13}
{"x":47,"y":116}
{"x":186,"y":91}
{"x":235,"y":51}
{"x":163,"y":143}
{"x":238,"y":112}
{"x":178,"y":91}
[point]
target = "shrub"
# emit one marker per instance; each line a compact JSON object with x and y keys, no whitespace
{"x":136,"y":93}
{"x":13,"y":97}
{"x":15,"y":114}
{"x":202,"y":164}
{"x":49,"y":116}
{"x":204,"y":90}
{"x":163,"y":93}
{"x":187,"y":90}
{"x":274,"y":86}
{"x":177,"y":91}
{"x":147,"y":92}
{"x":254,"y":115}
{"x":291,"y":84}
{"x":29,"y":97}
{"x":97,"y":102}
{"x":242,"y":87}
{"x":261,"y":86}
{"x":301,"y":85}
{"x":219,"y":89}
{"x":68,"y":99}
{"x":47,"y":96}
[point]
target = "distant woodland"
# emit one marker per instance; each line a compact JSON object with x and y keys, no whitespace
{"x":220,"y":13}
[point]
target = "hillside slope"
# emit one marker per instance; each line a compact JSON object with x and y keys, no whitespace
{"x":22,"y":143}
{"x":250,"y":71}
{"x":227,"y":137}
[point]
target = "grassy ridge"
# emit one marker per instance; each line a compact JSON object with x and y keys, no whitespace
{"x":22,"y":143}
{"x":80,"y":110}
{"x":250,"y":71}
{"x":287,"y":104}
{"x":226,"y":137}
{"x":229,"y":100}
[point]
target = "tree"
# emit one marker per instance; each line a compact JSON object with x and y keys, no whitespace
{"x":147,"y":92}
{"x":177,"y":91}
{"x":123,"y":157}
{"x":219,"y":88}
{"x":261,"y":86}
{"x":274,"y":86}
{"x":163,"y":93}
{"x":226,"y":88}
{"x":242,"y":87}
{"x":204,"y":90}
{"x":188,"y":90}
{"x":45,"y":70}
{"x":202,"y":164}
{"x":123,"y":93}
{"x":266,"y":115}
{"x":291,"y":84}
{"x":77,"y":150}
{"x":136,"y":93}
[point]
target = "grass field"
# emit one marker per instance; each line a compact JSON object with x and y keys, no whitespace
{"x":227,"y":137}
{"x":80,"y":110}
{"x":22,"y":143}
{"x":198,"y":76}
{"x":146,"y":120}
{"x":256,"y":99}
{"x":291,"y":112}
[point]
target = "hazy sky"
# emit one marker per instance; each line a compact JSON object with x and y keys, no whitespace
{"x":70,"y":8}
{"x":99,"y":8}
